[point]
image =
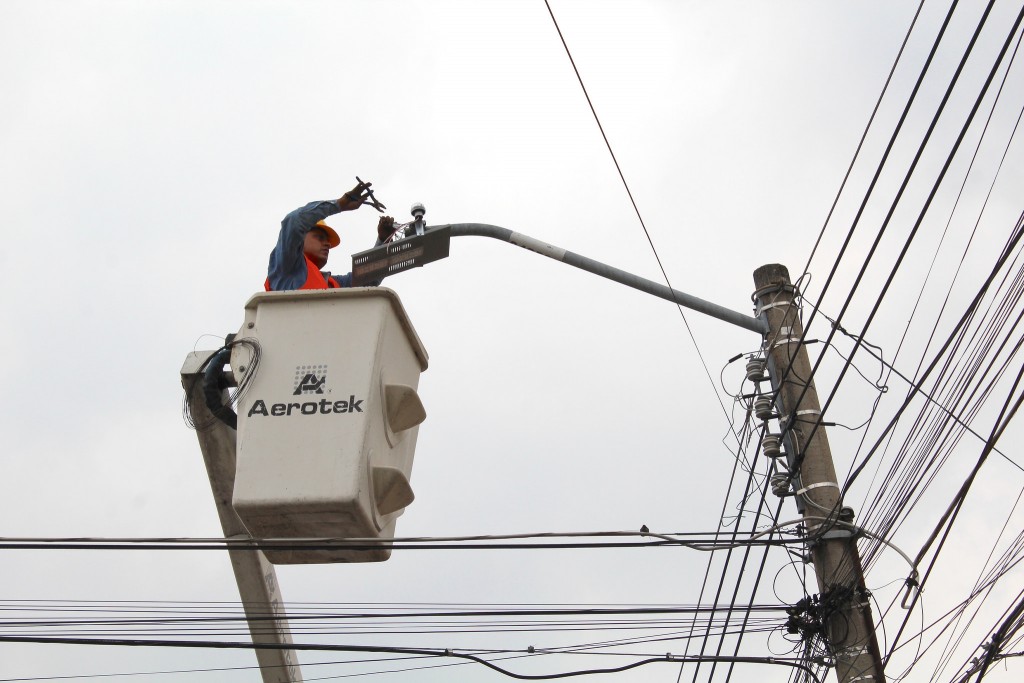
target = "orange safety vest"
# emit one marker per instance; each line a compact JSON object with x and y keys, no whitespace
{"x":314,"y":278}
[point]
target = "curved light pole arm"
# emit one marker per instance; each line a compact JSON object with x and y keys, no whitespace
{"x":747,"y":322}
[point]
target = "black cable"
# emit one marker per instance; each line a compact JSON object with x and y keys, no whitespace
{"x":864,"y":135}
{"x":753,"y":592}
{"x":1010,"y":555}
{"x":1010,"y":625}
{"x":722,"y":575}
{"x":711,"y":557}
{"x":213,"y":384}
{"x":941,"y":443}
{"x":974,"y":157}
{"x":249,"y":544}
{"x":962,"y":605}
{"x":950,"y":515}
{"x":885,"y":156}
{"x":960,"y":325}
{"x":930,"y":398}
{"x":951,"y":339}
{"x":971,"y":392}
{"x":636,"y":208}
{"x":196,"y":671}
{"x":921,"y":215}
{"x":434,"y":652}
{"x":761,"y":506}
{"x":739,"y":578}
{"x":294,"y":616}
{"x":902,"y":190}
{"x":935,"y":187}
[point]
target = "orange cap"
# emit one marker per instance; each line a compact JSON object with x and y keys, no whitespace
{"x":332,"y":237}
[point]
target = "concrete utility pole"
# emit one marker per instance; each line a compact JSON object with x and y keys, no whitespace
{"x":844,"y":606}
{"x":256,"y":577}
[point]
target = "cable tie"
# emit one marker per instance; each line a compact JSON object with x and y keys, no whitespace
{"x":819,"y":485}
{"x":865,"y":677}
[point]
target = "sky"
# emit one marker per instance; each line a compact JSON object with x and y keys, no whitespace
{"x":149,"y":150}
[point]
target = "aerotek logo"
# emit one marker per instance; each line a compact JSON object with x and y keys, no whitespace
{"x":309,"y":379}
{"x":313,"y":378}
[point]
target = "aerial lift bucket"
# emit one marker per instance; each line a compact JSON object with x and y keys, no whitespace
{"x":328,"y":416}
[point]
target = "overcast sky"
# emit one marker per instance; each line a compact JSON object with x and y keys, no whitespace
{"x":148,"y":151}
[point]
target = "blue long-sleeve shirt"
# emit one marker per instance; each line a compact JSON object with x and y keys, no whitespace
{"x":287,"y":268}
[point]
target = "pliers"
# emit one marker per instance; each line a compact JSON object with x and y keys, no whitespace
{"x":370,"y":199}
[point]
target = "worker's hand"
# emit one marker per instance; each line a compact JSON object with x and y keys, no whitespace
{"x":385,"y":227}
{"x":354,"y":198}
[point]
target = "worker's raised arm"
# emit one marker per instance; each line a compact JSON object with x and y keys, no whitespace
{"x":305,"y":241}
{"x":287,"y":257}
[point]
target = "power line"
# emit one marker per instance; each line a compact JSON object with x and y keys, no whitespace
{"x":433,"y":652}
{"x":632,"y":201}
{"x":864,"y":135}
{"x":703,"y":541}
{"x":903,"y":186}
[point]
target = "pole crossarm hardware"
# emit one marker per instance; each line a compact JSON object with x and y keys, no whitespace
{"x":847,"y":609}
{"x":747,"y":322}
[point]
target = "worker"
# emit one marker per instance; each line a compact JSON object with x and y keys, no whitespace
{"x":305,"y":241}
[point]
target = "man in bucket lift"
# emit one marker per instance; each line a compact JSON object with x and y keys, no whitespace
{"x":305,"y":240}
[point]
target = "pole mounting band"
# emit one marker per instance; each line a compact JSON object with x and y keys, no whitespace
{"x":810,"y":411}
{"x":820,"y":484}
{"x":784,"y":341}
{"x":775,"y":304}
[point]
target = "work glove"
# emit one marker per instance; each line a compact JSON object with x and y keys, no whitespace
{"x":385,"y":228}
{"x":354,"y":198}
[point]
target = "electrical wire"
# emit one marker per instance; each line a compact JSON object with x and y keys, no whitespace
{"x":863,"y":137}
{"x":945,"y":523}
{"x":914,"y":388}
{"x":848,"y":483}
{"x":885,"y":156}
{"x":903,"y":186}
{"x":985,"y":204}
{"x":950,"y":343}
{"x":249,"y":344}
{"x":435,"y":652}
{"x":636,"y":208}
{"x":703,"y":541}
{"x":931,"y":196}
